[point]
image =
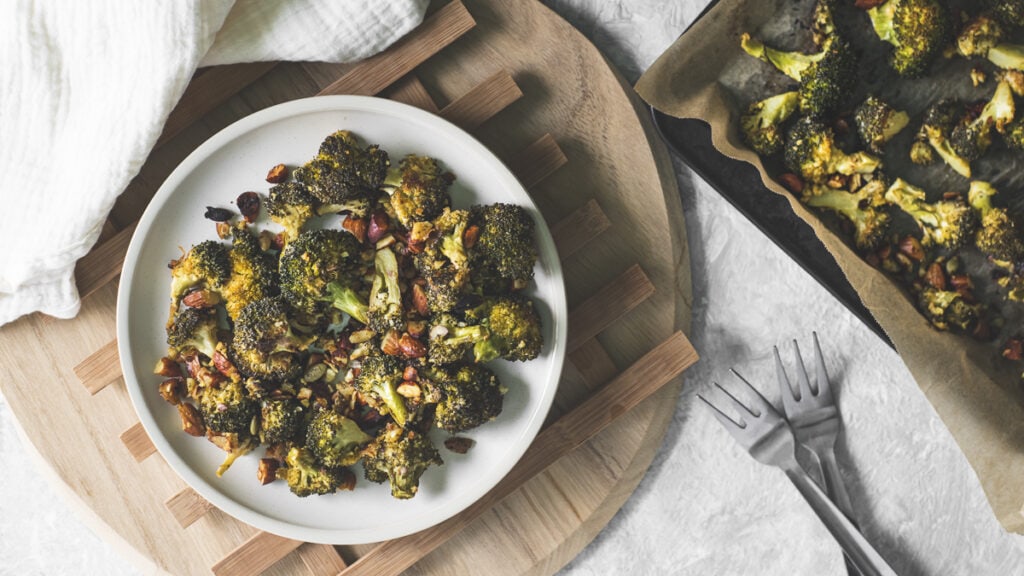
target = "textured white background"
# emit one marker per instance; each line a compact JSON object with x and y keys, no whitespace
{"x":705,"y":507}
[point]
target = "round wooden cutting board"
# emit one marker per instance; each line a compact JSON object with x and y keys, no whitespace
{"x":614,"y":163}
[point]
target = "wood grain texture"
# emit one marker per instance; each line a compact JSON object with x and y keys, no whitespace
{"x":482,"y":102}
{"x":321,"y":559}
{"x":100,"y":368}
{"x":411,"y":91}
{"x":538,"y":161}
{"x":613,"y":159}
{"x":103,"y":263}
{"x":607,"y":306}
{"x":574,"y":231}
{"x":187,"y":506}
{"x":261,"y":551}
{"x":137,"y":442}
{"x":622,"y":394}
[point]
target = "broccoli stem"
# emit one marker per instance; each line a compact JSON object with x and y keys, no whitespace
{"x":792,"y":64}
{"x":1007,"y":56}
{"x":882,"y":19}
{"x":348,"y":301}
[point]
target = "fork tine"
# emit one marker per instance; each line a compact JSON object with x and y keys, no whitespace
{"x":803,"y":383}
{"x":762,"y":403}
{"x":780,"y":375}
{"x":820,"y":374}
{"x":722,"y":417}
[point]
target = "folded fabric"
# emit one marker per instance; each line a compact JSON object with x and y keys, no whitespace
{"x":87,"y":87}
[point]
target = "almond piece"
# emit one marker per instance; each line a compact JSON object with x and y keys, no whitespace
{"x":191,"y":420}
{"x":167,"y":368}
{"x":277,"y":174}
{"x":409,"y":389}
{"x":171,"y":389}
{"x":419,"y":300}
{"x":411,"y":347}
{"x":201,"y":299}
{"x":266,"y":472}
{"x":935,"y":277}
{"x":356,"y":226}
{"x":389,"y":344}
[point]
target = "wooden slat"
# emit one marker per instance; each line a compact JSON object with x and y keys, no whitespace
{"x":646,"y":376}
{"x":592,"y":361}
{"x":378,"y":72}
{"x":538,"y":161}
{"x":609,"y":304}
{"x":255,"y":555}
{"x":481,"y":103}
{"x":575,"y":230}
{"x":100,"y":368}
{"x":103,"y":263}
{"x":321,"y":559}
{"x":187,"y":506}
{"x":208,"y":90}
{"x":137,"y":442}
{"x":411,"y":91}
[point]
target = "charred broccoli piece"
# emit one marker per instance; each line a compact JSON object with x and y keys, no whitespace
{"x":444,"y":262}
{"x":378,"y":380}
{"x":344,"y":176}
{"x":291,"y":205}
{"x":1009,"y":12}
{"x":401,"y":457}
{"x":811,"y":151}
{"x":264,"y":344}
{"x":1013,"y":134}
{"x":306,"y":477}
{"x":972,"y":136}
{"x":335,"y":440}
{"x":919,"y":31}
{"x":471,"y":395}
{"x":997,"y":236}
{"x":205,"y":265}
{"x":762,"y":124}
{"x":418,"y":189}
{"x":936,"y":130}
{"x":978,"y":36}
{"x":253,"y":272}
{"x":825,"y":78}
{"x":385,"y":310}
{"x":451,"y":340}
{"x":506,"y":249}
{"x":227,"y":408}
{"x":946,"y":223}
{"x":282,"y":420}
{"x":323,"y":268}
{"x":878,"y":122}
{"x":866,"y":209}
{"x":193,"y":329}
{"x":946,"y":309}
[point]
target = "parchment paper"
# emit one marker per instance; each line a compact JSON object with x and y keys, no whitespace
{"x":706,"y":75}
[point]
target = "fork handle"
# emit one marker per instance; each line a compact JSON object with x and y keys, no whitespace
{"x":834,"y":483}
{"x":857,"y":548}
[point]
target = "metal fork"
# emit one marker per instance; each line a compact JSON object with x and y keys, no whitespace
{"x":814,"y":418}
{"x":766,"y":435}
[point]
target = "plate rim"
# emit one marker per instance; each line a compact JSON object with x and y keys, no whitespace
{"x":237,"y":510}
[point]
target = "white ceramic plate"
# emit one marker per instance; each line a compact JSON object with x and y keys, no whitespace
{"x":236,"y":160}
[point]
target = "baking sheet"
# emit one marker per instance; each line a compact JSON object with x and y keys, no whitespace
{"x":706,"y":75}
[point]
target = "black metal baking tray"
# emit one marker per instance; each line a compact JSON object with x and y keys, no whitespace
{"x":740,"y":184}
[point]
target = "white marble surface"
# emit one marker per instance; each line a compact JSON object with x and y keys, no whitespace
{"x":705,"y":507}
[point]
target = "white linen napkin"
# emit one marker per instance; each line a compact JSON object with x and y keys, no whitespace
{"x":86,"y":89}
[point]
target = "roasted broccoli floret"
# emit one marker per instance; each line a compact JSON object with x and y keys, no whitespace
{"x":253,"y":272}
{"x":306,"y":477}
{"x":385,"y":310}
{"x":1009,"y":12}
{"x":825,"y":78}
{"x":335,"y":440}
{"x":419,"y":189}
{"x":919,"y":31}
{"x":282,"y":420}
{"x":762,"y":124}
{"x":344,"y":176}
{"x":264,"y":344}
{"x":514,"y":327}
{"x":1013,"y":134}
{"x":936,"y":130}
{"x":471,"y":395}
{"x":378,"y":380}
{"x":323,"y":268}
{"x":291,"y":205}
{"x":193,"y":329}
{"x":227,"y":408}
{"x":811,"y":151}
{"x":444,"y":262}
{"x":972,"y":136}
{"x":946,"y":223}
{"x":401,"y":457}
{"x":947,"y":309}
{"x":997,"y":236}
{"x":978,"y":36}
{"x":878,"y":122}
{"x":205,"y":265}
{"x":505,"y":250}
{"x":866,"y":209}
{"x":451,"y":340}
